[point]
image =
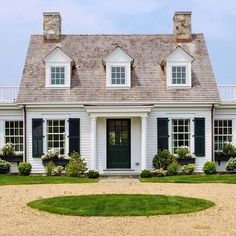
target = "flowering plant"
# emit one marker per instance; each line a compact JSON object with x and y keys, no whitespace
{"x":183,"y":152}
{"x":51,"y":154}
{"x":229,"y":148}
{"x":8,"y":149}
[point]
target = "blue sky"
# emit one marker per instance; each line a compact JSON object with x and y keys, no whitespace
{"x":21,"y":18}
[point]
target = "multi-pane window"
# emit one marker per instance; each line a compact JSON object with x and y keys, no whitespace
{"x":14,"y":134}
{"x":117,"y":75}
{"x":58,"y":75}
{"x":223,"y":133}
{"x":56,"y":135}
{"x":180,"y":133}
{"x":178,"y":75}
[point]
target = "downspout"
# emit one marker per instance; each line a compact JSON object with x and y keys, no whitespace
{"x":25,"y":135}
{"x":212,"y":134}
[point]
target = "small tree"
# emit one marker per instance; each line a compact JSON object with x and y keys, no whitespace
{"x":76,"y":166}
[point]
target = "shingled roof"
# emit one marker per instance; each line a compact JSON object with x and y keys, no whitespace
{"x":88,"y":83}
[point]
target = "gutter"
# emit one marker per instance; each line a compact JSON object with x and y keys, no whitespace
{"x":25,"y":134}
{"x":212,"y":133}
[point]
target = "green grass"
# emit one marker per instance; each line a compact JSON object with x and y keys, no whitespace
{"x":227,"y":179}
{"x":16,"y":180}
{"x":120,"y":205}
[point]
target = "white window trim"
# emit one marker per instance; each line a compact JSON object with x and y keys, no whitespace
{"x":127,"y":66}
{"x":191,"y":132}
{"x":67,"y":67}
{"x":169,"y":66}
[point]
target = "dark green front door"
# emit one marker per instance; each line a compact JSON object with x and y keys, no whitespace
{"x":118,"y":143}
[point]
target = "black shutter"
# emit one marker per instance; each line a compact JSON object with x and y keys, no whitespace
{"x":74,"y":135}
{"x":37,"y":137}
{"x":199,"y":136}
{"x":162,"y":134}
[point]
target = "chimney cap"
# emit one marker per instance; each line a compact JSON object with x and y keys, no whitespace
{"x":51,"y":13}
{"x":182,"y":13}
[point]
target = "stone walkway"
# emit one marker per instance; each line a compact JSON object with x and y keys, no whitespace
{"x":18,"y":219}
{"x":111,"y":179}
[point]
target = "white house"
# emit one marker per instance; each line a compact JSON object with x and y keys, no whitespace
{"x":117,"y":99}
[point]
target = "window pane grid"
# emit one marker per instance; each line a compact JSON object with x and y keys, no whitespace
{"x":57,"y":75}
{"x":223,"y":133}
{"x":178,"y":75}
{"x":181,"y":133}
{"x":56,"y":135}
{"x":14,"y":134}
{"x":118,"y":75}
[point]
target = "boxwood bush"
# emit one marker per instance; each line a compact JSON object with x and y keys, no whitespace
{"x":93,"y":174}
{"x":209,"y":168}
{"x":146,"y":174}
{"x":24,"y":168}
{"x":163,"y":159}
{"x":4,"y":167}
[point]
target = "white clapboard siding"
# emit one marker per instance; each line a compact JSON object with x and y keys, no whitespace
{"x":190,"y":113}
{"x":59,"y":113}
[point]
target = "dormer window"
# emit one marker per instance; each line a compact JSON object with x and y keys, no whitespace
{"x":118,"y":69}
{"x":178,"y":67}
{"x":58,"y":69}
{"x":57,"y":75}
{"x":118,"y":75}
{"x":178,"y":74}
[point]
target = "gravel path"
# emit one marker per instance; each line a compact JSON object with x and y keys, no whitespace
{"x":18,"y":219}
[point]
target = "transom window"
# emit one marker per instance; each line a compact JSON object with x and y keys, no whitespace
{"x":58,"y":75}
{"x":178,"y":75}
{"x":56,"y":135}
{"x":223,"y":133}
{"x":14,"y":134}
{"x":180,"y":133}
{"x":117,"y":75}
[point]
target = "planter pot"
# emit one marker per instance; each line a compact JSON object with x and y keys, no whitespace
{"x":57,"y":162}
{"x":12,"y":158}
{"x":223,"y":157}
{"x":4,"y":170}
{"x":185,"y":161}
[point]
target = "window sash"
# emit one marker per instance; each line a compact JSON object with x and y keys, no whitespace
{"x":178,"y":74}
{"x":180,"y":133}
{"x":222,"y":133}
{"x":56,"y":135}
{"x":118,"y":75}
{"x":57,"y":75}
{"x":14,"y":134}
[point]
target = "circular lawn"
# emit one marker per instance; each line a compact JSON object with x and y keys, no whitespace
{"x":120,"y":205}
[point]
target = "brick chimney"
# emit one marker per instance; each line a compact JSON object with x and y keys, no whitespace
{"x":51,"y":26}
{"x":182,"y":26}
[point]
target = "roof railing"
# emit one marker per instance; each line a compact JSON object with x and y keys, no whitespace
{"x":8,"y":94}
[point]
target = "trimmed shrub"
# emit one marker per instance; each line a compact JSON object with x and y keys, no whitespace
{"x":50,"y":168}
{"x":172,"y":168}
{"x":4,"y":167}
{"x":93,"y":174}
{"x":209,"y":168}
{"x":146,"y":174}
{"x":160,"y":172}
{"x":76,"y":166}
{"x":163,"y":159}
{"x":24,"y":168}
{"x":231,"y":164}
{"x":188,"y":169}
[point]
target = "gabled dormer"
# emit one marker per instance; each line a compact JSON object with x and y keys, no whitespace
{"x":178,"y":67}
{"x":58,"y":67}
{"x":118,"y":69}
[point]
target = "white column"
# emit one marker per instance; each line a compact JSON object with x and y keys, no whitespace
{"x":93,"y":143}
{"x":144,"y":143}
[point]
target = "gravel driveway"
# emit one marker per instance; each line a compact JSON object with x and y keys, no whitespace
{"x":18,"y":219}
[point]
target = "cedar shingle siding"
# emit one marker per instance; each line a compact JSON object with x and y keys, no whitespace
{"x":88,"y":85}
